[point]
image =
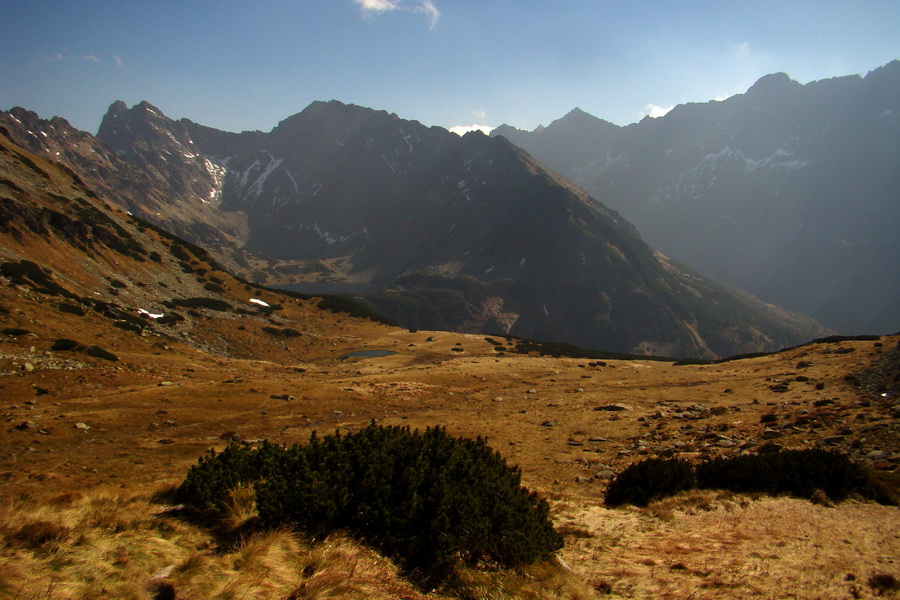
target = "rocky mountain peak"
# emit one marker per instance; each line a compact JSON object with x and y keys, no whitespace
{"x":576,"y":115}
{"x":117,"y":108}
{"x":773,"y":85}
{"x":120,"y":123}
{"x":507,"y":131}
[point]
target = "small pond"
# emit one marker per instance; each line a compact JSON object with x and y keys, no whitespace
{"x":366,"y":354}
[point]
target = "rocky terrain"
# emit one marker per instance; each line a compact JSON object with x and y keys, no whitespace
{"x":787,"y":191}
{"x":436,"y":231}
{"x":126,"y":353}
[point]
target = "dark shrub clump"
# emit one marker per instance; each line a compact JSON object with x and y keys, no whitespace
{"x":354,"y":308}
{"x":426,"y":499}
{"x":800,"y":473}
{"x":796,"y":472}
{"x":210,"y":303}
{"x":651,"y":479}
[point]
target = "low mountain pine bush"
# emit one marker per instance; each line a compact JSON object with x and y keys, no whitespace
{"x":796,"y":472}
{"x":799,"y":473}
{"x":205,"y":490}
{"x":641,"y":483}
{"x":426,"y":499}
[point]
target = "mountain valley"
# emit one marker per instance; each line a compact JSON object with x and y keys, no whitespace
{"x":126,"y":353}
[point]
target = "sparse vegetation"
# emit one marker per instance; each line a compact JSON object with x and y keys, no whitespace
{"x":354,"y":308}
{"x":26,"y":272}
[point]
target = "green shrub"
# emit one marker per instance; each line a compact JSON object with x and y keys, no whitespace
{"x":800,"y":473}
{"x":26,"y":272}
{"x":207,"y":484}
{"x":641,"y":483}
{"x":180,"y":252}
{"x":64,"y":344}
{"x":128,"y":326}
{"x":15,"y":331}
{"x":796,"y":472}
{"x":426,"y":499}
{"x":278,"y":332}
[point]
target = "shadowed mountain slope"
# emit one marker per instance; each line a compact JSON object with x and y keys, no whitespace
{"x":788,"y":191}
{"x":442,"y":232}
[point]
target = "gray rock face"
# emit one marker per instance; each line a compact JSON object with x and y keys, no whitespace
{"x":788,"y":191}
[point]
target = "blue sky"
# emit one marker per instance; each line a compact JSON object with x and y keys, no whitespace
{"x":240,"y":65}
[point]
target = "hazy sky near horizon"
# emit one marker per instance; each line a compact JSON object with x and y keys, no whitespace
{"x":238,"y":65}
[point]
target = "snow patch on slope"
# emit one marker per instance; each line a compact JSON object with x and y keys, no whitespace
{"x":728,"y":155}
{"x":217,"y":173}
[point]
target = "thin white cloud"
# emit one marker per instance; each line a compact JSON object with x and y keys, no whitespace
{"x":655,"y":111}
{"x":118,"y":61}
{"x":425,"y":7}
{"x":370,"y":6}
{"x":92,"y":58}
{"x":464,"y":129}
{"x":428,"y":8}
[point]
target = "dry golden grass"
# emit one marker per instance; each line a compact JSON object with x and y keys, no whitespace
{"x":552,"y":580}
{"x":707,"y":544}
{"x":696,"y":545}
{"x":109,"y":545}
{"x":85,"y":545}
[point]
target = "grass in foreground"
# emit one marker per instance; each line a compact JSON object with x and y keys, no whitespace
{"x":115,"y":544}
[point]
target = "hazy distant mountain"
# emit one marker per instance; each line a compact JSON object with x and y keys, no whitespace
{"x":440,"y":231}
{"x":789,"y":191}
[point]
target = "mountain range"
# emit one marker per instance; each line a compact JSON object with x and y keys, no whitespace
{"x":789,"y":191}
{"x":387,"y":225}
{"x":437,"y":231}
